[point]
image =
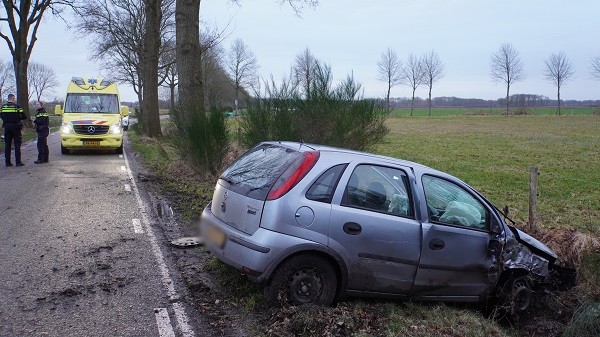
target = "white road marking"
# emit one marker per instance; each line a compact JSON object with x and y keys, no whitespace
{"x":165,"y":329}
{"x":123,"y":168}
{"x":120,"y":156}
{"x":137,"y":226}
{"x":166,"y":280}
{"x":182,"y":320}
{"x":127,"y":188}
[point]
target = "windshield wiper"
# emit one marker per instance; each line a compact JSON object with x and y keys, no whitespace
{"x":229,"y":180}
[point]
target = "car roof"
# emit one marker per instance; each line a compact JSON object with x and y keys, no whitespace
{"x":358,"y":154}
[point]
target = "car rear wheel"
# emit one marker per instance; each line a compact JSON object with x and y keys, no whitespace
{"x":303,"y":279}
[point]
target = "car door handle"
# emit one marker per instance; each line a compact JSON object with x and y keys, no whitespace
{"x":352,"y":228}
{"x":437,"y":244}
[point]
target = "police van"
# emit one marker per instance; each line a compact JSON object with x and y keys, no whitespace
{"x":91,"y":116}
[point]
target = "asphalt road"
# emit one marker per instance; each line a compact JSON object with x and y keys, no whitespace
{"x":78,"y":255}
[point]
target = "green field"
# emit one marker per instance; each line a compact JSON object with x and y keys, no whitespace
{"x":489,"y":111}
{"x":494,"y":153}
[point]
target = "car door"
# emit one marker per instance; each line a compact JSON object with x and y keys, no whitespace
{"x":455,"y":256}
{"x":373,"y":227}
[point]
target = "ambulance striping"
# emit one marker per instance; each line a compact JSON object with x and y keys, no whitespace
{"x":88,"y":122}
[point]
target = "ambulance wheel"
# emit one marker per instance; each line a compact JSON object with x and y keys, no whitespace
{"x":119,"y":150}
{"x":64,"y":150}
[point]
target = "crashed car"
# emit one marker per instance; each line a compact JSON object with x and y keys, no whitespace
{"x":316,"y":223}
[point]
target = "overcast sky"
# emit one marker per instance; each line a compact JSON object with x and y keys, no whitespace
{"x":350,"y":35}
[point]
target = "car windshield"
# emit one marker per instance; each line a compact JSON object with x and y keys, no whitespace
{"x":92,"y":103}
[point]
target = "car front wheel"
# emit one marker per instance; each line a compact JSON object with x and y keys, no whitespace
{"x":517,"y":292}
{"x":303,"y":279}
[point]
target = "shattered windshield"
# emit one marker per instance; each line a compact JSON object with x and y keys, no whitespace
{"x":92,"y":103}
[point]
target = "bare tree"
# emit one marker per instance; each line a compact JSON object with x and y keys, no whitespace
{"x":433,"y":71}
{"x":23,"y":19}
{"x":413,"y":75}
{"x":595,"y":67}
{"x":121,"y":40}
{"x":506,"y":67}
{"x":389,"y":70}
{"x":7,"y":78}
{"x":170,"y":76}
{"x":217,"y":83}
{"x":558,"y":70}
{"x":304,"y":69}
{"x":42,"y":79}
{"x":189,"y":58}
{"x":242,"y":67}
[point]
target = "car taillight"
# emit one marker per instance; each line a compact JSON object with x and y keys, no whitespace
{"x":293,"y":175}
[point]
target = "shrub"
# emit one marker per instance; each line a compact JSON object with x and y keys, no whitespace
{"x":201,"y":138}
{"x":585,"y":322}
{"x":323,"y":115}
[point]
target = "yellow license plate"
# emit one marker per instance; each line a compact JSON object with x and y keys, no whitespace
{"x":216,"y":236}
{"x":91,"y":143}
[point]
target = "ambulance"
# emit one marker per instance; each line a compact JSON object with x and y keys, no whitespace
{"x":92,"y":116}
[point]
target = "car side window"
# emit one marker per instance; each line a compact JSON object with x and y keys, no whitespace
{"x":323,"y":188}
{"x":450,"y":204}
{"x":379,"y":188}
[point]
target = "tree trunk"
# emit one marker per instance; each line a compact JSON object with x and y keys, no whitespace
{"x":430,"y":85}
{"x":20,"y":64}
{"x":172,"y":92}
{"x":150,"y":66}
{"x":189,"y":63}
{"x":507,"y":97}
{"x":387,"y":99}
{"x":558,"y":93}
{"x":412,"y":102}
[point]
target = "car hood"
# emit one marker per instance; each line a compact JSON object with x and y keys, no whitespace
{"x":535,"y":245}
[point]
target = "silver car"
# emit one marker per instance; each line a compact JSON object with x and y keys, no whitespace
{"x":316,"y":223}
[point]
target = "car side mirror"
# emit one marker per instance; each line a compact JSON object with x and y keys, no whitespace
{"x":58,"y":110}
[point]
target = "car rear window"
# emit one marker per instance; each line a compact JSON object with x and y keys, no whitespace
{"x":256,"y":171}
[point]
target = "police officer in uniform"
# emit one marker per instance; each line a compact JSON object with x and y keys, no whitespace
{"x":42,"y":122}
{"x":12,"y":115}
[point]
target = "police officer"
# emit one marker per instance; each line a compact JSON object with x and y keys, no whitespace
{"x":42,"y":122}
{"x":12,"y":115}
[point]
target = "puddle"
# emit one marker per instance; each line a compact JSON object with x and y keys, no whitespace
{"x":163,"y":209}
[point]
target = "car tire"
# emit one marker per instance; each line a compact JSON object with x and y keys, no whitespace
{"x":517,"y":292}
{"x":64,"y":150}
{"x":126,"y":127}
{"x":119,"y":150}
{"x":303,"y":279}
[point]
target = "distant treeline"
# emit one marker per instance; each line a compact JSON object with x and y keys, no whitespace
{"x":516,"y":101}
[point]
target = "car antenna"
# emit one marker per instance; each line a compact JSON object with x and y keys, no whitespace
{"x":301,"y":143}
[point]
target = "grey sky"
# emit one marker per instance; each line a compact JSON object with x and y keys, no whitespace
{"x":351,"y":35}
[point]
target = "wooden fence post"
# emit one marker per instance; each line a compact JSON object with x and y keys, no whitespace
{"x":533,"y":194}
